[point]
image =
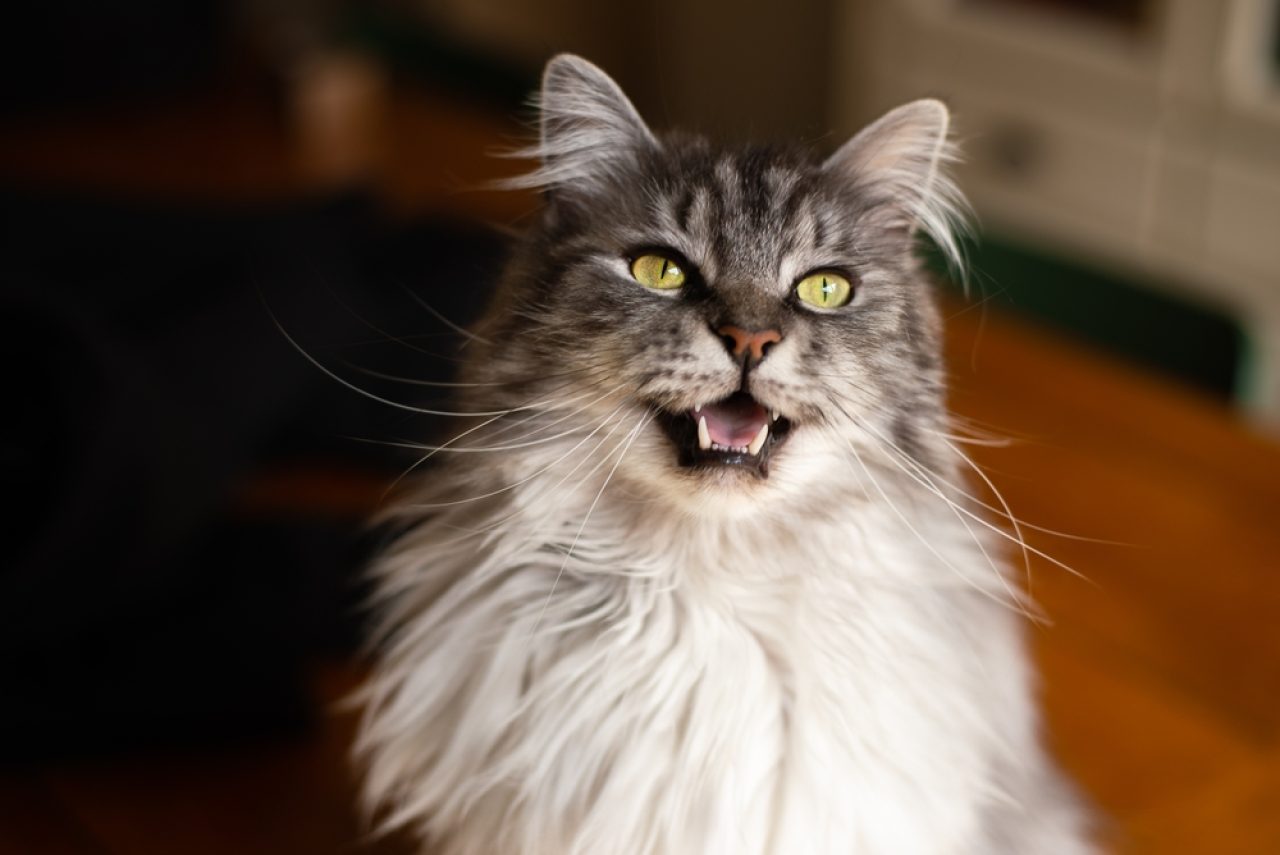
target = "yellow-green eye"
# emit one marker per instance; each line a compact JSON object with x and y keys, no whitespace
{"x":657,"y":271}
{"x":824,"y":290}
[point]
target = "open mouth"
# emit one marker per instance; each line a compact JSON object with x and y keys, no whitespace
{"x":736,"y":431}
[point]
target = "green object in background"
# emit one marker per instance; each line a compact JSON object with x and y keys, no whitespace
{"x":1198,"y":345}
{"x":1275,"y":47}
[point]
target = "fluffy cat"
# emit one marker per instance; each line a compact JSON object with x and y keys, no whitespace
{"x":700,"y":576}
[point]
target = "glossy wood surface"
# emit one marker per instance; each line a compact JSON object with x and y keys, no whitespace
{"x":1161,"y":667}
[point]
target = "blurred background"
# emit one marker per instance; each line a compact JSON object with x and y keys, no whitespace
{"x":219,"y":217}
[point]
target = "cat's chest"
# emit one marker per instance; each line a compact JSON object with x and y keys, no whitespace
{"x":825,"y":636}
{"x":807,"y":599}
{"x":798,"y":688}
{"x":765,"y":691}
{"x":828,"y":703}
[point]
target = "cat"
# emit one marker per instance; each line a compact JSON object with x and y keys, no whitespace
{"x":700,"y":575}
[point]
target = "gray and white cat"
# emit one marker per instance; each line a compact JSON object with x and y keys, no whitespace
{"x":700,"y":575}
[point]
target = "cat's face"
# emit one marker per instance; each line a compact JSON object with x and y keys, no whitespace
{"x":749,"y":312}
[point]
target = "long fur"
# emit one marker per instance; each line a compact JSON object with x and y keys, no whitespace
{"x":586,"y":650}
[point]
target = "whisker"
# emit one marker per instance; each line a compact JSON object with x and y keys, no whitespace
{"x":386,"y":336}
{"x":447,"y":446}
{"x":1018,"y":522}
{"x":421,"y":461}
{"x":644,"y":420}
{"x":399,"y":405}
{"x":441,"y":318}
{"x":501,"y":522}
{"x":933,"y":478}
{"x":395,"y":378}
{"x":526,"y":479}
{"x":1008,"y":512}
{"x":955,"y":509}
{"x":992,"y":442}
{"x":475,"y":449}
{"x":404,"y":339}
{"x":985,"y":430}
{"x":1002,"y":533}
{"x":911,"y":528}
{"x":1004,"y":512}
{"x":412,"y":381}
{"x":508,"y":427}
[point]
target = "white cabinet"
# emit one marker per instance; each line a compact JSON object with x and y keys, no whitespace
{"x":1151,"y":147}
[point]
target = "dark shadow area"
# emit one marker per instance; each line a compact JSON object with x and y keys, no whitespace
{"x":143,"y":598}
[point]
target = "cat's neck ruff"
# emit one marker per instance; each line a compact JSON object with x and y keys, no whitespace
{"x":766,"y":688}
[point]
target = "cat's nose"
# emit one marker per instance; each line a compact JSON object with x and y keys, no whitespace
{"x":741,"y":342}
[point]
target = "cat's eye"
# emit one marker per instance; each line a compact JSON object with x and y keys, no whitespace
{"x":825,"y":290}
{"x":657,"y":271}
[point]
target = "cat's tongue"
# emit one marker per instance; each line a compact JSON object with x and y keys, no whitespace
{"x":735,"y":421}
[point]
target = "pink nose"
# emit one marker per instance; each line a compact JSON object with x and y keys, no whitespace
{"x":743,"y":341}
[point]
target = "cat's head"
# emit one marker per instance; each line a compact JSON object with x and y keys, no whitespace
{"x":745,"y":314}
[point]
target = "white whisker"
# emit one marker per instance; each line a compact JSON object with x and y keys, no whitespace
{"x":522,"y":481}
{"x":412,"y":381}
{"x":503,"y":521}
{"x":399,"y":405}
{"x":921,"y":538}
{"x":442,"y":319}
{"x":421,"y":461}
{"x":1012,"y":519}
{"x":644,"y":420}
{"x":1002,"y":533}
{"x":927,"y":482}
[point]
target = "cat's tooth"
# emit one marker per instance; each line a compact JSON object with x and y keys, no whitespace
{"x":773,"y":416}
{"x":758,"y":442}
{"x":697,"y":408}
{"x":704,"y":435}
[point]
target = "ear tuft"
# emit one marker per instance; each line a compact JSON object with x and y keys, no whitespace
{"x":902,"y":159}
{"x":588,"y":127}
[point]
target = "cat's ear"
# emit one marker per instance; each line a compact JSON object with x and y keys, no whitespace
{"x":899,"y":164}
{"x":588,"y":127}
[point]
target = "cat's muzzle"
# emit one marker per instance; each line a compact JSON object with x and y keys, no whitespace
{"x":736,"y":431}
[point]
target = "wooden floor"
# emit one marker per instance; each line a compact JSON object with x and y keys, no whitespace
{"x":1161,"y":665}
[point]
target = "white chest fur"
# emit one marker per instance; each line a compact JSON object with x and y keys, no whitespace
{"x":678,"y":690}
